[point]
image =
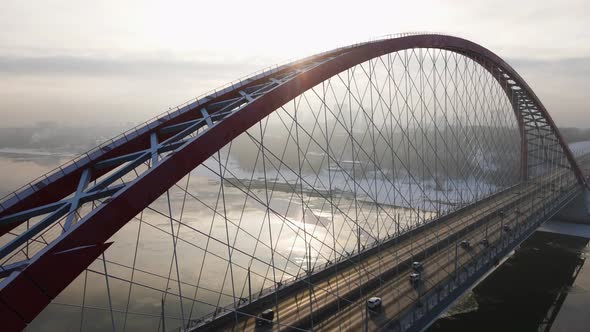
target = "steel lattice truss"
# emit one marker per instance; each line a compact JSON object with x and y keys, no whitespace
{"x":269,"y":181}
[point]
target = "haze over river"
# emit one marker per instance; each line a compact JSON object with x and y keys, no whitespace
{"x":545,"y":285}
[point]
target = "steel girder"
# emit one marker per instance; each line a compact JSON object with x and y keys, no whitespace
{"x":179,"y":141}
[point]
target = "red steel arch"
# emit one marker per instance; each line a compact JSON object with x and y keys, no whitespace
{"x":27,"y":291}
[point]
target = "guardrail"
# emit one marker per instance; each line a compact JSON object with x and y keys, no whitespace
{"x":420,"y":315}
{"x":261,"y":298}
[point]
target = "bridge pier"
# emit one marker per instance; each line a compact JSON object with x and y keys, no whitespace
{"x":578,"y":211}
{"x":573,"y":219}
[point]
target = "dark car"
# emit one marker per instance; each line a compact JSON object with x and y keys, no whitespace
{"x":265,"y":317}
{"x":417,"y":266}
{"x":465,"y":244}
{"x":415,"y":278}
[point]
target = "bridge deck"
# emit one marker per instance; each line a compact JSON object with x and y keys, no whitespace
{"x":385,"y":273}
{"x":399,"y":296}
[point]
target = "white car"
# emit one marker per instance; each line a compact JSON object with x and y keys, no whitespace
{"x":374,"y":302}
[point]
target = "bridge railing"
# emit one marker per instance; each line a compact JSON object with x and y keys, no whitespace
{"x":236,"y":306}
{"x":442,"y":295}
{"x":404,"y":230}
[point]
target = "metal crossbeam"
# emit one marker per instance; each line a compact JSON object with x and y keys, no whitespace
{"x":75,"y":201}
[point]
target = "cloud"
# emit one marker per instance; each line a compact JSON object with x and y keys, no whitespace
{"x":138,"y":67}
{"x":570,"y":68}
{"x":561,"y":84}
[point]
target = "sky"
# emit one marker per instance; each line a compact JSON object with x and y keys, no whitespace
{"x":113,"y":62}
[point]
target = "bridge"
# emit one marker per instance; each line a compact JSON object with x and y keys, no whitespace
{"x":306,"y":188}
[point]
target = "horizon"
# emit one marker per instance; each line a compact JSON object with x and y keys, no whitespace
{"x":113,"y":64}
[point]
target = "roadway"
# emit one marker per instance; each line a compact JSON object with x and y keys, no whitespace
{"x":339,"y":303}
{"x":398,"y":295}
